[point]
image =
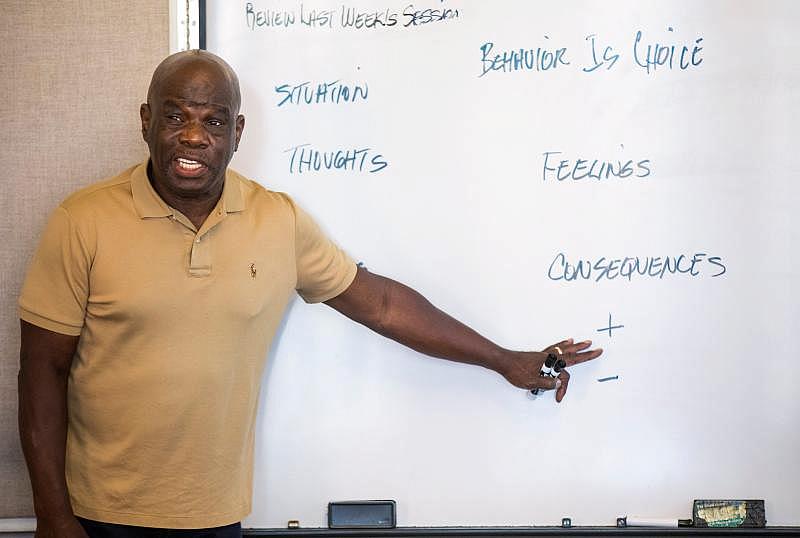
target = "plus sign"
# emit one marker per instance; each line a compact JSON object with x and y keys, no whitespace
{"x":610,"y":327}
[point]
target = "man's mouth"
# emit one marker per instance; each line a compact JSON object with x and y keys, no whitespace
{"x":188,"y":166}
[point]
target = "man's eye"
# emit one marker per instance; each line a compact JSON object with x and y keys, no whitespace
{"x":215,"y":123}
{"x":174,"y":117}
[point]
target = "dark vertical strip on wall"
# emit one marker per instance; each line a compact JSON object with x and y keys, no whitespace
{"x":201,"y":21}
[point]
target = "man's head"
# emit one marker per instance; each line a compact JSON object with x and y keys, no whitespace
{"x":192,"y":125}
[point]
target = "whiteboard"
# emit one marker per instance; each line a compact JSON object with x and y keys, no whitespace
{"x":643,"y":198}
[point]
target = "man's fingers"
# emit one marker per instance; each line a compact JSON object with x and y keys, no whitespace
{"x":562,"y":345}
{"x":542,"y":383}
{"x":580,"y":346}
{"x":571,"y":353}
{"x":568,"y":347}
{"x":561,"y":385}
{"x":576,"y":347}
{"x":574,"y":353}
{"x":577,"y":358}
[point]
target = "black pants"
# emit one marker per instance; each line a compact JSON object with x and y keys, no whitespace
{"x":97,"y":529}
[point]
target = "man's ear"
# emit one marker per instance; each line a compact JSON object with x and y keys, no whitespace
{"x":144,"y":114}
{"x":239,"y":130}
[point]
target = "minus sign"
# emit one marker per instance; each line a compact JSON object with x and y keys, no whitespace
{"x":608,"y":378}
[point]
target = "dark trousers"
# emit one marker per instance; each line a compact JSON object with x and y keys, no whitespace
{"x":97,"y":529}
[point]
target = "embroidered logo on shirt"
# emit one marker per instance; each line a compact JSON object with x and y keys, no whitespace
{"x":253,"y":270}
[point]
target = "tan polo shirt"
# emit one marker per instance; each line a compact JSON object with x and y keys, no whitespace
{"x":175,"y":324}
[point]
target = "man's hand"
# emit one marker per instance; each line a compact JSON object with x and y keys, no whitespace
{"x":66,"y":527}
{"x":522,"y":370}
{"x":400,"y":313}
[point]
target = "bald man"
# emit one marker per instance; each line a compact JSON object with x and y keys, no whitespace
{"x":148,"y":310}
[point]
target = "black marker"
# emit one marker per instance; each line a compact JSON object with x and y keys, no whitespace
{"x":546,"y":371}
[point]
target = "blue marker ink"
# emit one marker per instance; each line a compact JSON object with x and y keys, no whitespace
{"x":608,"y":56}
{"x":716,"y":260}
{"x":559,"y":169}
{"x":352,"y":18}
{"x":334,"y":92}
{"x":670,"y":56}
{"x":267,"y":17}
{"x":610,"y":327}
{"x":304,"y":158}
{"x":538,"y":59}
{"x":426,"y":16}
{"x":568,"y":270}
{"x":316,"y":19}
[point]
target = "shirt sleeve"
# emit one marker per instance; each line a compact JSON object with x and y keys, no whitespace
{"x":56,"y":287}
{"x":323,"y":269}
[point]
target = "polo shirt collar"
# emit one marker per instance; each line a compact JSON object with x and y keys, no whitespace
{"x":149,"y":204}
{"x":232,"y":198}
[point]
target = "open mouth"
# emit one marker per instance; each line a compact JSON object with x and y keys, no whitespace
{"x":188,"y":167}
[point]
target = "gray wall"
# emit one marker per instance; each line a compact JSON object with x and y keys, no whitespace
{"x":72,"y":76}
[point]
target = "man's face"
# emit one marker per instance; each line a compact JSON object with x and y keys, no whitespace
{"x":192,"y":128}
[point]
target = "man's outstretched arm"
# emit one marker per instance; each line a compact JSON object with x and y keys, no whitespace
{"x":45,"y":360}
{"x":402,"y":314}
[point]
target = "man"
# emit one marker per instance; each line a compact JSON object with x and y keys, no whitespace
{"x":148,"y":311}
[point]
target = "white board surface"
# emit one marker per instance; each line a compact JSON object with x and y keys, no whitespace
{"x":454,"y":184}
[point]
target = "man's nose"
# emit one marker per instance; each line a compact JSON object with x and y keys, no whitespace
{"x":193,"y":134}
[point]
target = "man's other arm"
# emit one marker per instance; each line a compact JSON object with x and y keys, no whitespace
{"x":402,"y":314}
{"x":45,"y":360}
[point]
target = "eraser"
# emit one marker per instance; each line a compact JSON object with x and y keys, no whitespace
{"x":729,"y":513}
{"x":362,"y":515}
